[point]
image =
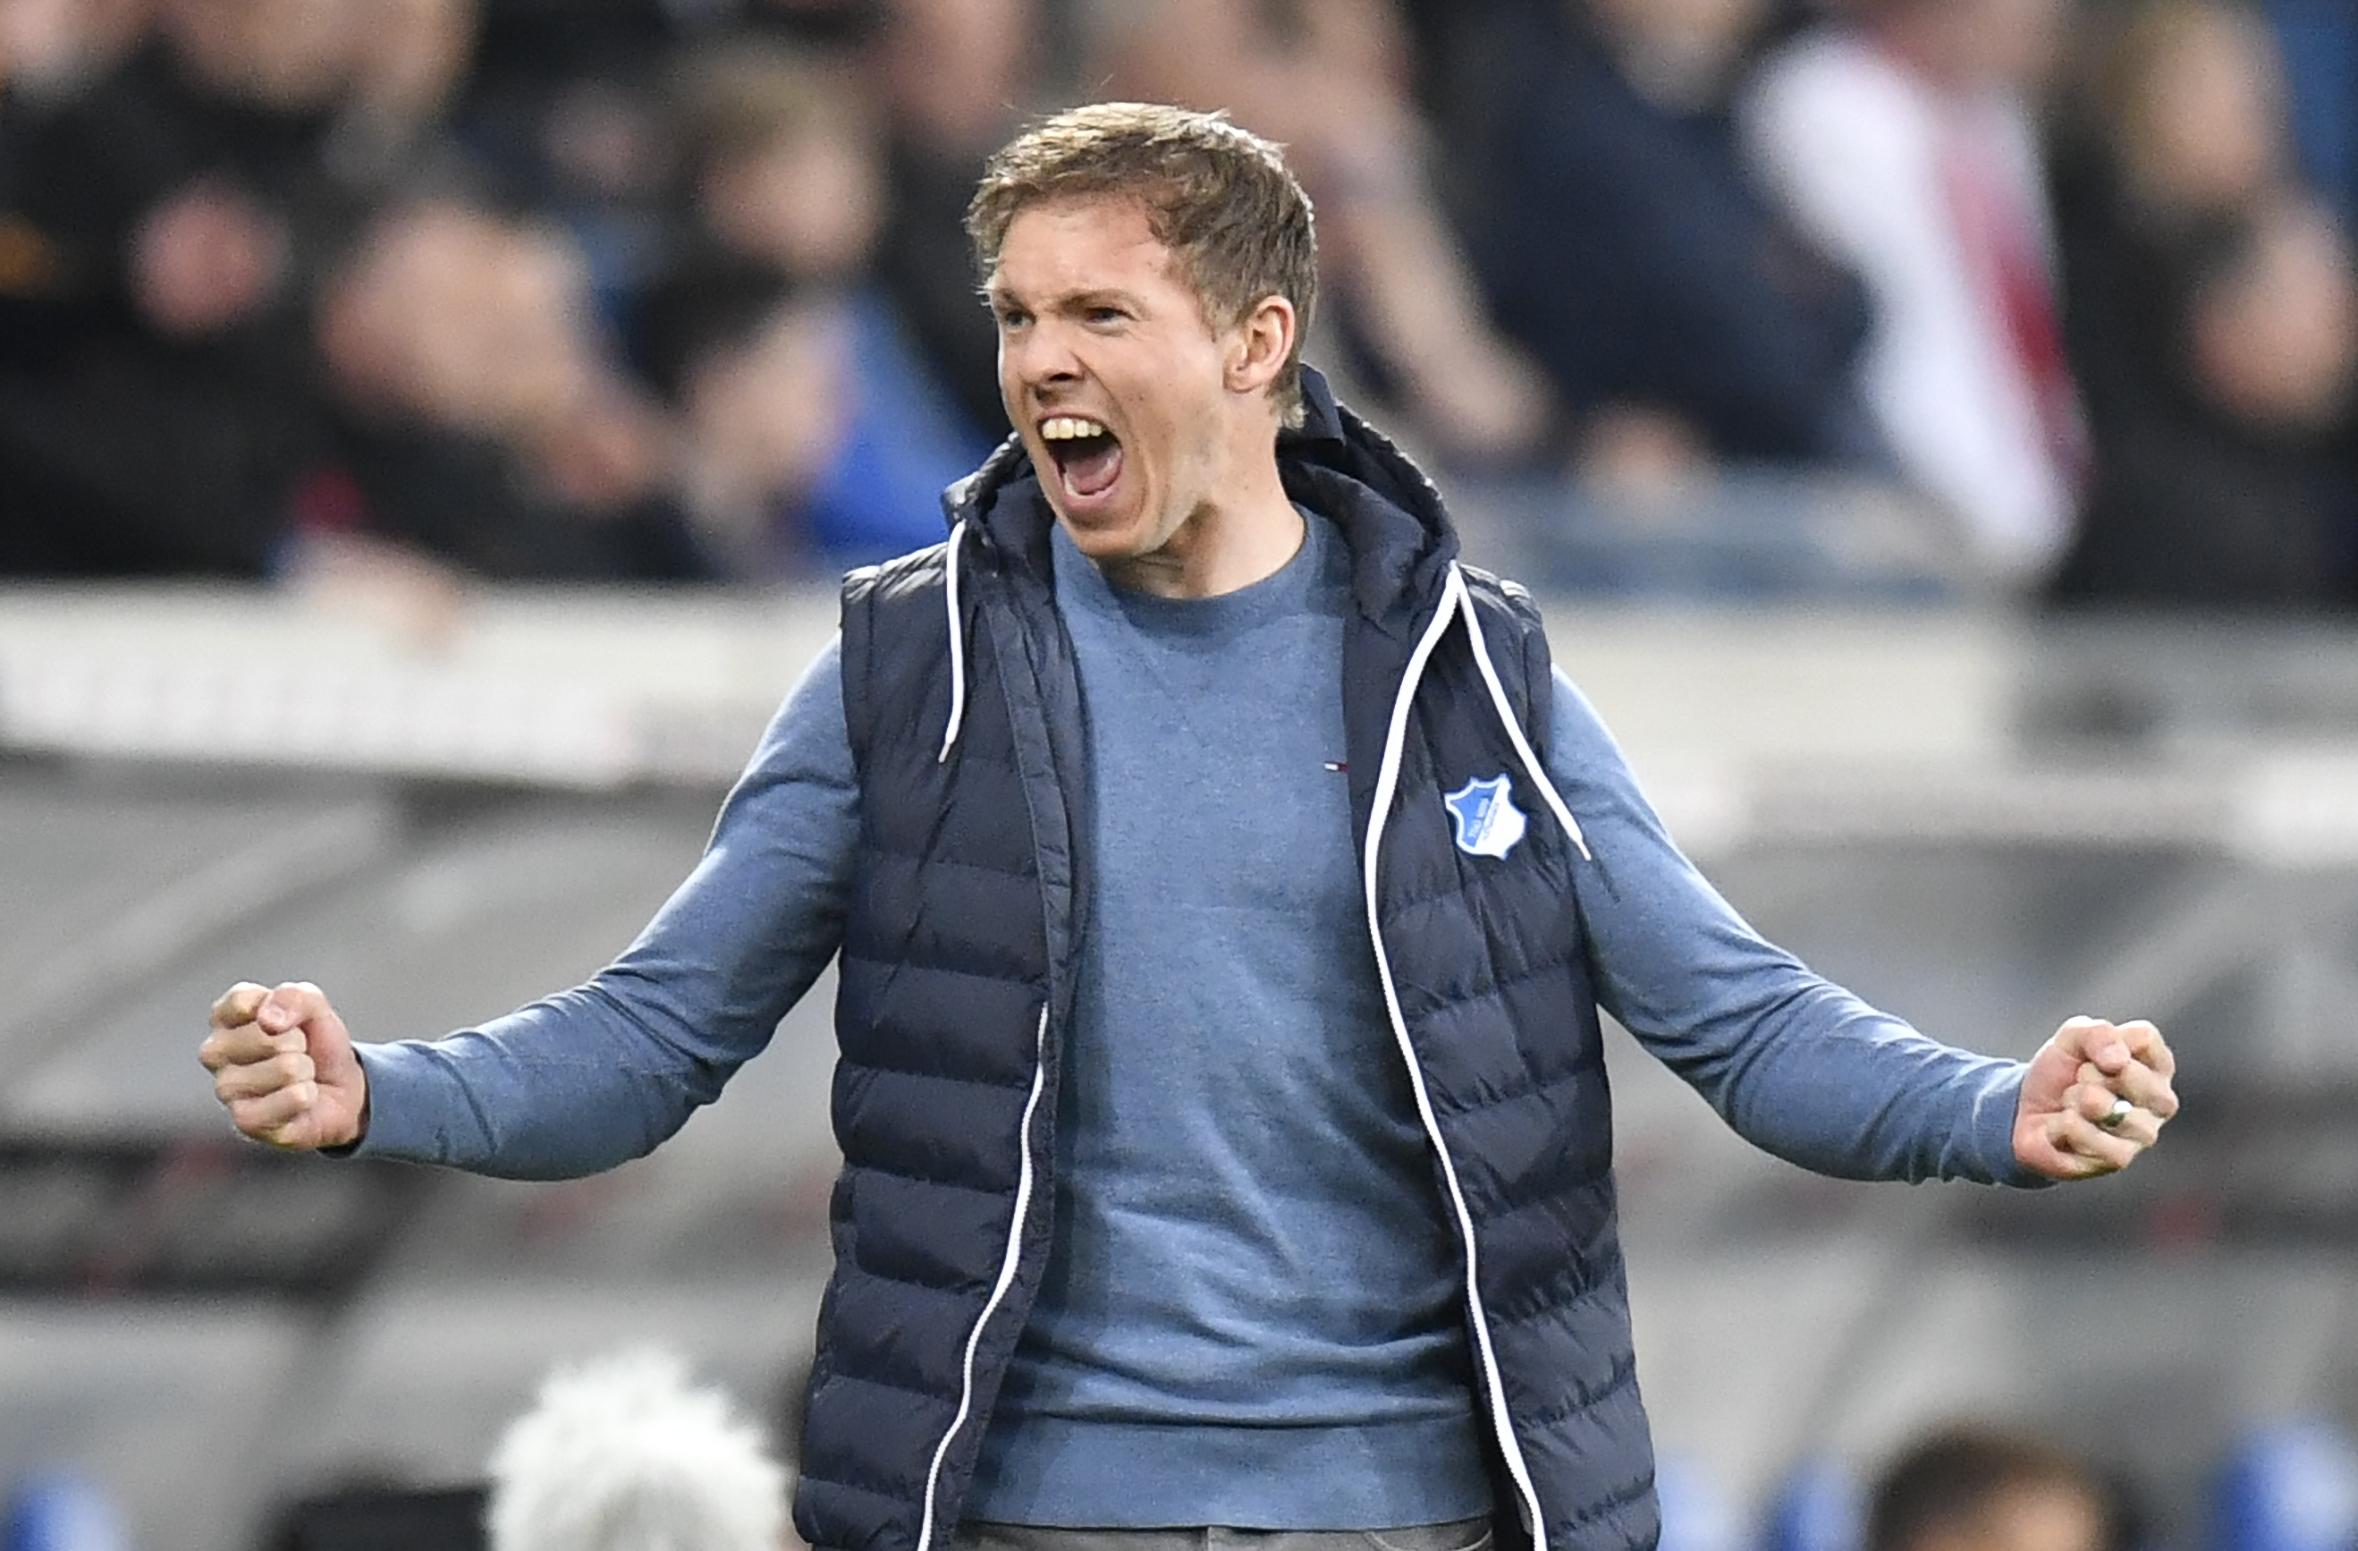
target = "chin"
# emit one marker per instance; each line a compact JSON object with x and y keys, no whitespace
{"x":1109,"y":537}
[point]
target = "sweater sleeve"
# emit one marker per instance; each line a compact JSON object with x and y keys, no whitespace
{"x":1795,"y":1064}
{"x":597,"y":1075}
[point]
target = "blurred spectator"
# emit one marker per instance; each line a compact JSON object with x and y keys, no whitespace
{"x":1331,"y":83}
{"x":161,"y":213}
{"x":956,"y":76}
{"x":782,"y":160}
{"x":813,"y":430}
{"x":234,"y":340}
{"x":469,"y":417}
{"x":1626,"y":246}
{"x":564,"y":115}
{"x":408,"y":64}
{"x":619,"y":1453}
{"x":54,"y":48}
{"x":1967,"y":1490}
{"x":2188,"y":112}
{"x":145,"y":353}
{"x":569,"y":109}
{"x":2214,"y":324}
{"x":624,"y":1454}
{"x":789,"y":454}
{"x":314,"y":102}
{"x":1902,"y":137}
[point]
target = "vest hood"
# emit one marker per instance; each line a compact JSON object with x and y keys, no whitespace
{"x":1335,"y":463}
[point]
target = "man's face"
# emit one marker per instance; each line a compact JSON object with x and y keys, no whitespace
{"x":1100,"y":333}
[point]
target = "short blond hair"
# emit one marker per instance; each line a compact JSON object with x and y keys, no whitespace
{"x":1221,"y":198}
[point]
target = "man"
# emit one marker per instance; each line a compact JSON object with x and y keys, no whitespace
{"x":1967,"y":1490}
{"x":1626,"y":245}
{"x":1225,"y":1130}
{"x":1902,"y":138}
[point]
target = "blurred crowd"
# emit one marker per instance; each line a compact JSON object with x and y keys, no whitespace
{"x":675,"y":290}
{"x":629,"y":1451}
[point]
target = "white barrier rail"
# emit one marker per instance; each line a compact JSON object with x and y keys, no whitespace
{"x":1748,"y":725}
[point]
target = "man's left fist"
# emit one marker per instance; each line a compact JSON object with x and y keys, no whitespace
{"x":2096,"y":1096}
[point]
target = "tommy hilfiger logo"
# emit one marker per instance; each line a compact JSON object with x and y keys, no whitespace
{"x":1488,"y":822}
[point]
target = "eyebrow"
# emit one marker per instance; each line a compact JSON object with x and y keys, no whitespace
{"x":996,"y":296}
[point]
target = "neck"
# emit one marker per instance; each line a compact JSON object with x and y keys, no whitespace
{"x":1243,"y":536}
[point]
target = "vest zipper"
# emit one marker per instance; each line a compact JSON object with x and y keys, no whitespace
{"x":1023,"y":1201}
{"x":1387,"y":786}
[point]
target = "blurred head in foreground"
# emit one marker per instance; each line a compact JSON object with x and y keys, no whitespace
{"x":1987,"y":1491}
{"x":623,"y":1454}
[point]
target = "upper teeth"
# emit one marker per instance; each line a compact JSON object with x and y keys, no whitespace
{"x":1067,"y":428}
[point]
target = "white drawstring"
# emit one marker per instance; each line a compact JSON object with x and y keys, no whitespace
{"x":1506,"y":712}
{"x":957,"y":644}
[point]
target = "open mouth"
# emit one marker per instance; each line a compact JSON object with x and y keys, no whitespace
{"x":1088,"y":457}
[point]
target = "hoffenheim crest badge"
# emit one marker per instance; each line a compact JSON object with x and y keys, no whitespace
{"x":1488,"y":822}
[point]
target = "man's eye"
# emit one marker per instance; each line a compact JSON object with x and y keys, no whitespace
{"x":1106,"y":314}
{"x":1010,"y":317}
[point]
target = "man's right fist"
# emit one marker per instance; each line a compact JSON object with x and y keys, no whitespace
{"x":283,"y":1067}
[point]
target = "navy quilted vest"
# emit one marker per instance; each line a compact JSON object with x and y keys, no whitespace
{"x":957,"y":974}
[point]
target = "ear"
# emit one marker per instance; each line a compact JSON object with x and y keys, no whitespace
{"x":1259,"y":345}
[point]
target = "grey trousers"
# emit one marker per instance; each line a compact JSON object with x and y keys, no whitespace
{"x":1464,"y":1535}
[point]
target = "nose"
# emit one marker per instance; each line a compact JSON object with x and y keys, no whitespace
{"x":1041,"y":361}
